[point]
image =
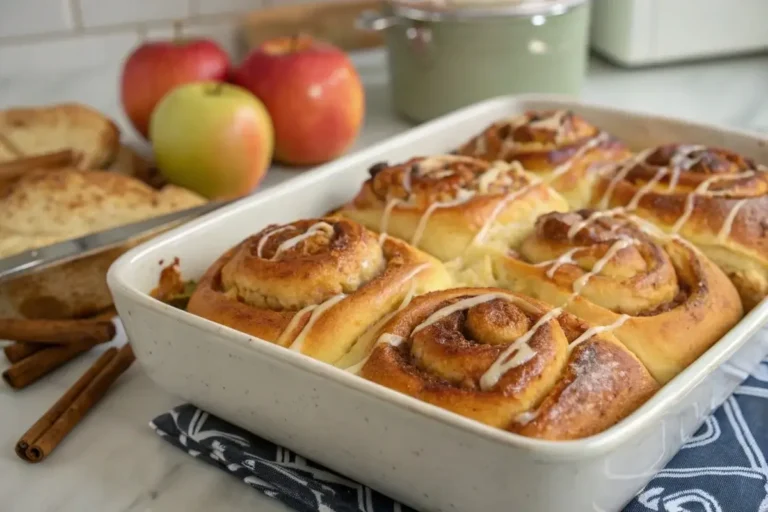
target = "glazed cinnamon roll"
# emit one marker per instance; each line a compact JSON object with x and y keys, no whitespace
{"x":445,"y":204}
{"x":559,"y":146}
{"x":712,"y":197}
{"x":508,"y":361}
{"x":314,"y":286}
{"x":658,"y":295}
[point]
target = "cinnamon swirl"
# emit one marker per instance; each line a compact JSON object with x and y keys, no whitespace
{"x":657,"y":294}
{"x":509,"y":361}
{"x":560,"y":147}
{"x":712,"y":197}
{"x":315,"y":285}
{"x":444,"y":204}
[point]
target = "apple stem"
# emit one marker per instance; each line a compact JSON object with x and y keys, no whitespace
{"x":295,"y":42}
{"x":217,"y":89}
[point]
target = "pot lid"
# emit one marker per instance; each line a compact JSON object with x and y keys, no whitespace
{"x":458,"y":9}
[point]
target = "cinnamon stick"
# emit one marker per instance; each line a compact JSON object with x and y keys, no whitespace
{"x":56,"y":331}
{"x":39,"y":449}
{"x":15,"y":352}
{"x":55,"y":412}
{"x":15,"y":168}
{"x":30,"y":369}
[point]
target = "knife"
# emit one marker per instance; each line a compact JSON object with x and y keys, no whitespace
{"x":44,"y":257}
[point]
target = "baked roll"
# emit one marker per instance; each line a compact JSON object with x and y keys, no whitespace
{"x":658,"y":295}
{"x":508,"y":361}
{"x":447,"y":203}
{"x":711,"y":197}
{"x":314,"y":286}
{"x":560,"y":147}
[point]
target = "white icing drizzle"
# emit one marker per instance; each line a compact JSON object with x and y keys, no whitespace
{"x":443,"y":173}
{"x":427,"y":165}
{"x":294,"y":321}
{"x":385,"y":218}
{"x":462,"y":197}
{"x":521,"y":350}
{"x":407,"y":177}
{"x":565,"y":166}
{"x":554,"y":123}
{"x":480,"y":145}
{"x":500,"y":206}
{"x":727,"y":226}
{"x":266,"y":237}
{"x":682,"y":156}
{"x":564,"y":258}
{"x":458,"y":306}
{"x":489,"y":176}
{"x":676,"y":171}
{"x":575,"y":228}
{"x":593,"y":331}
{"x":620,"y":244}
{"x":701,"y":189}
{"x":386,"y":318}
{"x":319,"y":227}
{"x":620,"y":175}
{"x":526,"y":417}
{"x":646,"y":188}
{"x":298,"y":343}
{"x":392,"y":339}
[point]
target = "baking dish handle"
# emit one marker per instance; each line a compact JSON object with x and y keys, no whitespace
{"x":374,"y":21}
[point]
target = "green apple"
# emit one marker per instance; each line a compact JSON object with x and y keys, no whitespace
{"x":213,"y":138}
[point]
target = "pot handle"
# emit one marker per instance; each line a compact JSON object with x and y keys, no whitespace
{"x":374,"y":21}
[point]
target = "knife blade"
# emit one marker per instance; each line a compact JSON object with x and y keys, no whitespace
{"x":41,"y":258}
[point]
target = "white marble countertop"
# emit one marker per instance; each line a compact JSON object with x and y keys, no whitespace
{"x":113,"y":461}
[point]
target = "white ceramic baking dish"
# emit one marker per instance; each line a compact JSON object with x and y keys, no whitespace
{"x":424,"y":456}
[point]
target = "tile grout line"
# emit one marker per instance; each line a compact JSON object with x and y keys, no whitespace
{"x":76,"y":11}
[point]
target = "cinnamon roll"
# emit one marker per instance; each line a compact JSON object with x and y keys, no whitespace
{"x":658,"y":295}
{"x":560,"y":147}
{"x":447,"y":203}
{"x":315,"y":285}
{"x":712,"y":197}
{"x":508,"y":361}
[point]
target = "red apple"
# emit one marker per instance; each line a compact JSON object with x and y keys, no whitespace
{"x":156,"y":67}
{"x":313,"y":94}
{"x":213,"y":138}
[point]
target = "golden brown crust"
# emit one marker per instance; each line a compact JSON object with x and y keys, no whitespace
{"x":720,"y":196}
{"x":559,"y":146}
{"x":35,"y":130}
{"x":552,"y":394}
{"x":48,"y":206}
{"x":676,"y":303}
{"x":446,"y":204}
{"x":328,"y":271}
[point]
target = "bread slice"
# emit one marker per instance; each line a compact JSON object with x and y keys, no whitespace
{"x":32,"y":131}
{"x":48,"y":206}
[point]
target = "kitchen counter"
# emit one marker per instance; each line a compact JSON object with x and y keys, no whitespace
{"x":113,"y":461}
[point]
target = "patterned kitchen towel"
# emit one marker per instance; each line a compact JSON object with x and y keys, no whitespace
{"x":721,"y":469}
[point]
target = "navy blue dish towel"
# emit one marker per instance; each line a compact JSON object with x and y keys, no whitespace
{"x":721,"y":469}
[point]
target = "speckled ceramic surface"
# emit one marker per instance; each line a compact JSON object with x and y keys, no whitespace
{"x":421,"y":455}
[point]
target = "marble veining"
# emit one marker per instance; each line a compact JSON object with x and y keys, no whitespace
{"x":113,"y":462}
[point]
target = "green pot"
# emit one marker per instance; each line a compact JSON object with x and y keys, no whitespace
{"x":442,"y":58}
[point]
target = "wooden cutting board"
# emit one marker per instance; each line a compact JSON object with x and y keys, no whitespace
{"x":332,"y":21}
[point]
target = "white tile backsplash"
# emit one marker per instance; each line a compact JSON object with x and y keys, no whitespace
{"x":98,"y":13}
{"x":27,"y":17}
{"x":206,"y":7}
{"x":55,"y":35}
{"x":71,"y":53}
{"x":224,"y":33}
